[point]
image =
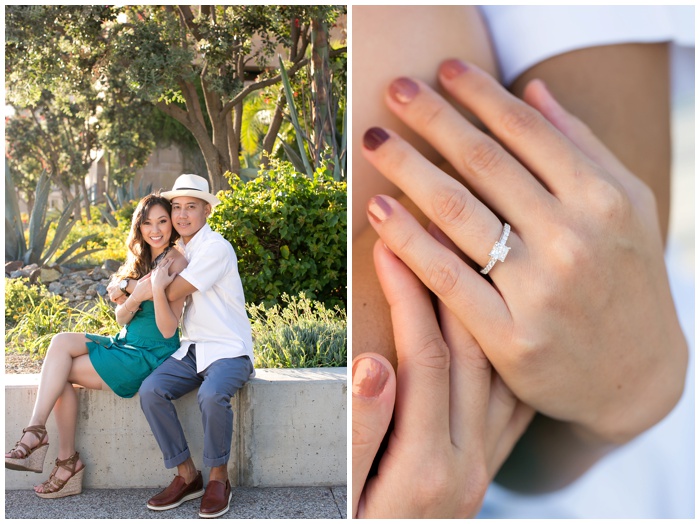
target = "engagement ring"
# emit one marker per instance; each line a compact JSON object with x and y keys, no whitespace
{"x":499,"y":251}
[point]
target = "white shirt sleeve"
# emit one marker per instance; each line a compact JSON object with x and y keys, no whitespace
{"x":211,"y":262}
{"x":523,"y":36}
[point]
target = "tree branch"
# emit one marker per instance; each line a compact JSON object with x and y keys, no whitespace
{"x":174,"y":111}
{"x":188,"y":19}
{"x":263,"y":83}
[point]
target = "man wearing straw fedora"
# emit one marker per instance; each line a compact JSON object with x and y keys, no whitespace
{"x":216,"y":354}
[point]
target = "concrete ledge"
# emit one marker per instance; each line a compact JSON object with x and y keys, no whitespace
{"x":289,"y":430}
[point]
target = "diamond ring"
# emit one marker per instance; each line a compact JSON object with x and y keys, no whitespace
{"x":499,"y":251}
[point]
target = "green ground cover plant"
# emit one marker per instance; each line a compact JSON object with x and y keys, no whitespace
{"x":299,"y":333}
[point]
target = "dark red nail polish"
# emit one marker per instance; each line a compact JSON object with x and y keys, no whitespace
{"x":403,"y":90}
{"x":453,"y":68}
{"x":374,"y":137}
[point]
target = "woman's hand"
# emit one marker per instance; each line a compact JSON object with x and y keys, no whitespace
{"x":579,"y":319}
{"x":160,"y":277}
{"x":143,"y":290}
{"x":455,"y":420}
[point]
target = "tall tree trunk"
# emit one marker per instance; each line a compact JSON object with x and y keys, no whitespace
{"x":320,"y":87}
{"x":235,"y":120}
{"x":221,"y":145}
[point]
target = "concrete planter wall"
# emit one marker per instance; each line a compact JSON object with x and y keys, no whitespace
{"x":289,"y":430}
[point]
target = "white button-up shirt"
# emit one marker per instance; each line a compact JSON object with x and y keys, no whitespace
{"x":215,"y":318}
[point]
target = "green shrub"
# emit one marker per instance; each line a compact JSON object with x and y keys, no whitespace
{"x":124,"y":214}
{"x":302,"y":334}
{"x":21,"y":299}
{"x":289,"y":233}
{"x":33,"y":331}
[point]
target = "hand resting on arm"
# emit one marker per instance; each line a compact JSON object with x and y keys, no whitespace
{"x":579,"y":319}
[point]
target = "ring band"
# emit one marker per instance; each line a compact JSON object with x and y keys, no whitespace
{"x":499,"y":251}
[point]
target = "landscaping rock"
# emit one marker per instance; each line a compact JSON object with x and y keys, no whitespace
{"x":111,"y":266}
{"x":78,"y":287}
{"x":49,"y":275}
{"x":13,"y":266}
{"x":83,"y":286}
{"x":56,"y":288}
{"x":98,"y":274}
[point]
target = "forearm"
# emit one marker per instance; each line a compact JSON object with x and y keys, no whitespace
{"x":126,"y":311}
{"x":549,"y":456}
{"x":116,"y":294}
{"x":166,"y":320}
{"x":178,"y":289}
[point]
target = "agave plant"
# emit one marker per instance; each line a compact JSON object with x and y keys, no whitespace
{"x":123,"y":196}
{"x":35,"y":250}
{"x":336,"y":146}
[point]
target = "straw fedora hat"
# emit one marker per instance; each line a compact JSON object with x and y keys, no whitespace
{"x":194,"y":186}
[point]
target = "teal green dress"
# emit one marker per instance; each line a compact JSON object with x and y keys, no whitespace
{"x":124,"y":361}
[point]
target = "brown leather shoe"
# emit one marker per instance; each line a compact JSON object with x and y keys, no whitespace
{"x":216,"y":500}
{"x":177,"y":493}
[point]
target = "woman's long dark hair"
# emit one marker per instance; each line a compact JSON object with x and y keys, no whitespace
{"x":138,"y":259}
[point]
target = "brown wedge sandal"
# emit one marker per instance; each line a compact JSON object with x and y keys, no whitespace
{"x":56,"y":488}
{"x":24,"y":458}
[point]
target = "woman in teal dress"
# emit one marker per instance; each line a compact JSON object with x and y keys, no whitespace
{"x":119,"y":363}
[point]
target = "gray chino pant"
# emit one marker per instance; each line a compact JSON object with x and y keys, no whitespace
{"x":217,"y":384}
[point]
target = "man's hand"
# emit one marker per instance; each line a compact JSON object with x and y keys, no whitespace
{"x":115,"y":294}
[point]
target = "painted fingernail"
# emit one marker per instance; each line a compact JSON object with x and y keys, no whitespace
{"x":374,"y":137}
{"x":378,"y":208}
{"x":403,"y":90}
{"x":453,"y":68}
{"x":369,"y":377}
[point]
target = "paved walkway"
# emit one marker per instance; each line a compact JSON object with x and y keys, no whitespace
{"x":247,"y":503}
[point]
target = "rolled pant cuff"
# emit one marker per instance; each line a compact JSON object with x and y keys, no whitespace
{"x":177,"y":459}
{"x":220,"y":461}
